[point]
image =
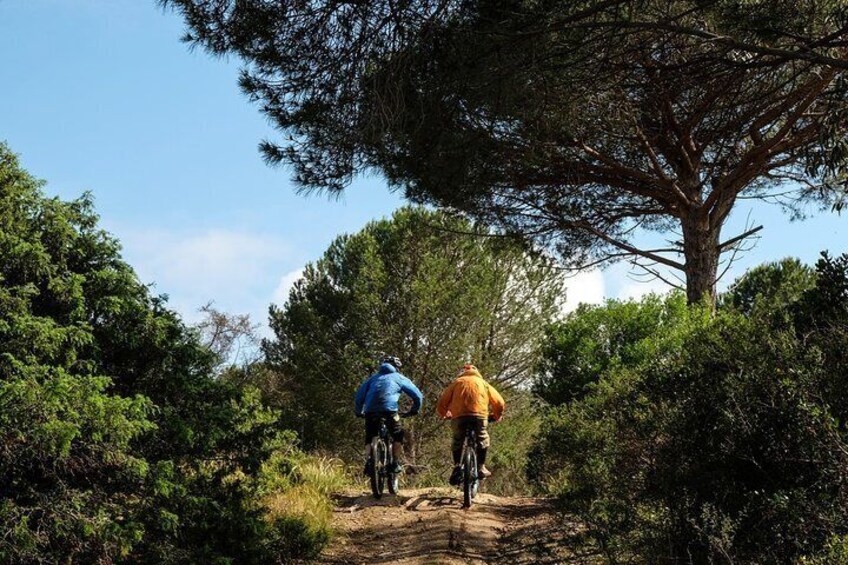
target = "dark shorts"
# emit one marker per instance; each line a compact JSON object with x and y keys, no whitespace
{"x":373,"y":424}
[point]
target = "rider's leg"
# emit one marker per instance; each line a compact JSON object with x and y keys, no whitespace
{"x":398,"y":437}
{"x":397,"y":456}
{"x":458,"y":429}
{"x":458,"y":438}
{"x":397,"y":451}
{"x":482,"y":446}
{"x":370,"y":432}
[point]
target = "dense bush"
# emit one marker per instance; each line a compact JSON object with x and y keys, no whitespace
{"x":723,"y":439}
{"x":116,"y":441}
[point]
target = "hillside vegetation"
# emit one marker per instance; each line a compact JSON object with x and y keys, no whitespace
{"x":679,"y":435}
{"x":116,"y":441}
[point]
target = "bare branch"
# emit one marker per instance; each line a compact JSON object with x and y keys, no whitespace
{"x":733,"y":241}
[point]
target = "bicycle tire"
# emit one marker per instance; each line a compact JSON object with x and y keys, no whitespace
{"x":469,"y":477}
{"x":378,"y":467}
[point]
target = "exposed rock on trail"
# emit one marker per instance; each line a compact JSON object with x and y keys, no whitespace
{"x":428,"y":526}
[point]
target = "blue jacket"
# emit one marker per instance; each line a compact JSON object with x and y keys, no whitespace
{"x":381,"y":391}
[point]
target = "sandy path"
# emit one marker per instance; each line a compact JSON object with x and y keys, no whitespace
{"x":428,"y":526}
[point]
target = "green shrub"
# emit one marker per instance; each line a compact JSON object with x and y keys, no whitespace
{"x":117,"y":441}
{"x":726,"y":443}
{"x":512,"y":439}
{"x":834,"y":553}
{"x":290,"y":538}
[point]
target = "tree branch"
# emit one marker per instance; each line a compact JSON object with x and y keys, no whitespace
{"x":738,"y":238}
{"x":626,"y":246}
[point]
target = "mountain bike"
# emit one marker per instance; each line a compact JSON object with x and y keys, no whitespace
{"x":470,"y":472}
{"x":381,"y":462}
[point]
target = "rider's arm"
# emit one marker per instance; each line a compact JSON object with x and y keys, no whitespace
{"x":445,"y":400}
{"x":496,"y":401}
{"x":359,"y":399}
{"x":412,"y":391}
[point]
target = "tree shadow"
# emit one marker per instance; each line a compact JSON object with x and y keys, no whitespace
{"x":546,"y":537}
{"x":436,"y":502}
{"x":356,"y":502}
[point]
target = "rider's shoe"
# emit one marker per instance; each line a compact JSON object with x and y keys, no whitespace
{"x":396,"y":468}
{"x":456,"y":475}
{"x":484,"y":472}
{"x":367,"y":471}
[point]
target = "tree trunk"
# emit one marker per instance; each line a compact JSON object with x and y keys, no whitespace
{"x":700,"y":248}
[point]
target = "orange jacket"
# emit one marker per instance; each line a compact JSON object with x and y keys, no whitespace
{"x":470,"y":395}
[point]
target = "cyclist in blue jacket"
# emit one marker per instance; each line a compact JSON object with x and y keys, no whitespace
{"x":377,"y":398}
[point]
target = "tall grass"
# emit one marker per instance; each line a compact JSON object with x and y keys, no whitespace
{"x":294,"y":491}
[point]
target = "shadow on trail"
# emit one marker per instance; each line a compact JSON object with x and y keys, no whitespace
{"x":352,"y":503}
{"x":430,"y":526}
{"x":539,"y":534}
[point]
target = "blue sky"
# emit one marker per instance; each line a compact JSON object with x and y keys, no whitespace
{"x":101,"y":96}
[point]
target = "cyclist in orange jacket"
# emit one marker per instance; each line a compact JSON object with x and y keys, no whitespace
{"x":470,"y":401}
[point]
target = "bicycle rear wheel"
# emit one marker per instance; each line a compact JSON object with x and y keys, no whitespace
{"x":378,"y":468}
{"x":469,"y":477}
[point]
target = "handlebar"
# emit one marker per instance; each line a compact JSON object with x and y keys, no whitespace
{"x":491,"y":419}
{"x":404,"y":415}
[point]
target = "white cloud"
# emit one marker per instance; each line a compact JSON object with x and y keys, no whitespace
{"x":235,"y":269}
{"x":626,"y":283}
{"x":281,"y":293}
{"x":637,"y":289}
{"x":211,"y":259}
{"x":584,"y":287}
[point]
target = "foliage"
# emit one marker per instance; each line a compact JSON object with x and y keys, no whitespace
{"x":577,"y":124}
{"x":836,"y":551}
{"x":417,"y":286}
{"x":591,"y":342}
{"x":512,"y":440}
{"x":116,"y":441}
{"x":68,"y":470}
{"x":772,"y":286}
{"x":295,"y":490}
{"x":727,"y":444}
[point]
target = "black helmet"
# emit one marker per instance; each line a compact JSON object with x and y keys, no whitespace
{"x":392,"y":360}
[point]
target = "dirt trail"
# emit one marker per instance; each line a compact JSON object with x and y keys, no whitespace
{"x":428,"y":526}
